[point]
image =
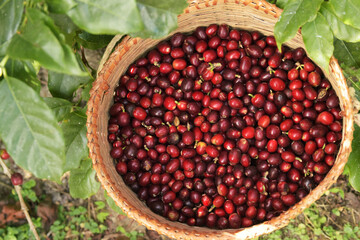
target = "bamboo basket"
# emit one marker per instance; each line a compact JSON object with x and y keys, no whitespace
{"x":252,"y":15}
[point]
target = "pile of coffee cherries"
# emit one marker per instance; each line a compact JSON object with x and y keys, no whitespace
{"x":219,"y":128}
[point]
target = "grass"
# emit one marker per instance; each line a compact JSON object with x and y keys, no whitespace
{"x":313,"y":225}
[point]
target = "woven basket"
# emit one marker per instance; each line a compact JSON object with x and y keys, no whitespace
{"x":244,"y":14}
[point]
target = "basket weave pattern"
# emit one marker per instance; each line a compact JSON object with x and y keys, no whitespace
{"x":245,"y":14}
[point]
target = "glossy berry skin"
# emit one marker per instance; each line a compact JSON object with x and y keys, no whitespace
{"x":277,"y":84}
{"x":16,"y":179}
{"x":4,"y":154}
{"x":220,"y":129}
{"x":325,"y":118}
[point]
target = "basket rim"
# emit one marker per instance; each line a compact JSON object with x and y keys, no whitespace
{"x":99,"y":86}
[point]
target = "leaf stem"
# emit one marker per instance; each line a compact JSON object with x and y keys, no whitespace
{"x":4,"y":61}
{"x":2,"y":66}
{"x":22,"y":202}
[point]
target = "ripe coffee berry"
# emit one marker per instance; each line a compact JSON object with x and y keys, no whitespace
{"x":16,"y":179}
{"x":220,"y":129}
{"x":4,"y":154}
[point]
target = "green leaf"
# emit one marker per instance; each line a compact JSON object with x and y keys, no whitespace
{"x":91,"y":41}
{"x":159,"y":17}
{"x":99,"y":205}
{"x":337,"y":190}
{"x":30,"y":131}
{"x":340,"y":29}
{"x":66,"y":26}
{"x":82,"y":182}
{"x":63,"y":85}
{"x":40,"y":40}
{"x":353,"y":162}
{"x":318,"y":40}
{"x":295,"y":14}
{"x":113,"y":205}
{"x":60,"y":107}
{"x":64,"y":23}
{"x":85,"y":94}
{"x":282,"y":3}
{"x":102,"y":216}
{"x":60,"y":6}
{"x":106,"y":17}
{"x":24,"y":71}
{"x":3,"y":48}
{"x":353,"y":76}
{"x":348,"y":11}
{"x":11,"y":12}
{"x":336,"y":212}
{"x":347,"y":53}
{"x":318,"y":231}
{"x":74,"y":129}
{"x":29,"y":184}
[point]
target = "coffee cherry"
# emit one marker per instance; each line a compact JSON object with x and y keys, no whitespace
{"x":16,"y":179}
{"x":4,"y":154}
{"x":277,"y":84}
{"x":325,"y":118}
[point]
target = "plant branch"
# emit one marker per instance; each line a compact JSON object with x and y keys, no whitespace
{"x":22,"y":202}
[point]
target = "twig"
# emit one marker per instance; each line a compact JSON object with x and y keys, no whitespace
{"x":112,"y":236}
{"x":88,"y":208}
{"x":92,"y":210}
{"x":353,"y":216}
{"x":309,"y":221}
{"x":327,"y":215}
{"x":312,"y":227}
{"x":22,"y":202}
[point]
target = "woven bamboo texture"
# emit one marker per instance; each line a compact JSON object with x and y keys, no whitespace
{"x":244,"y":14}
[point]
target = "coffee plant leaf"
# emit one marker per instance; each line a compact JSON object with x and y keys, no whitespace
{"x":347,"y":53}
{"x":3,"y":48}
{"x":318,"y":40}
{"x":85,"y":93}
{"x":112,"y":204}
{"x":40,"y":40}
{"x":64,"y":85}
{"x":11,"y":13}
{"x":159,"y":17}
{"x":352,"y":74}
{"x":353,"y":163}
{"x":66,"y":26}
{"x":341,"y":30}
{"x":92,"y":41}
{"x":60,"y":107}
{"x":30,"y":130}
{"x":295,"y":15}
{"x":106,"y":17}
{"x":348,"y":11}
{"x":74,"y":129}
{"x":60,"y":6}
{"x":282,"y":3}
{"x":24,"y":71}
{"x":82,"y":182}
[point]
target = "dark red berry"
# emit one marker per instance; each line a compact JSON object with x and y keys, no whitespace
{"x":16,"y":179}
